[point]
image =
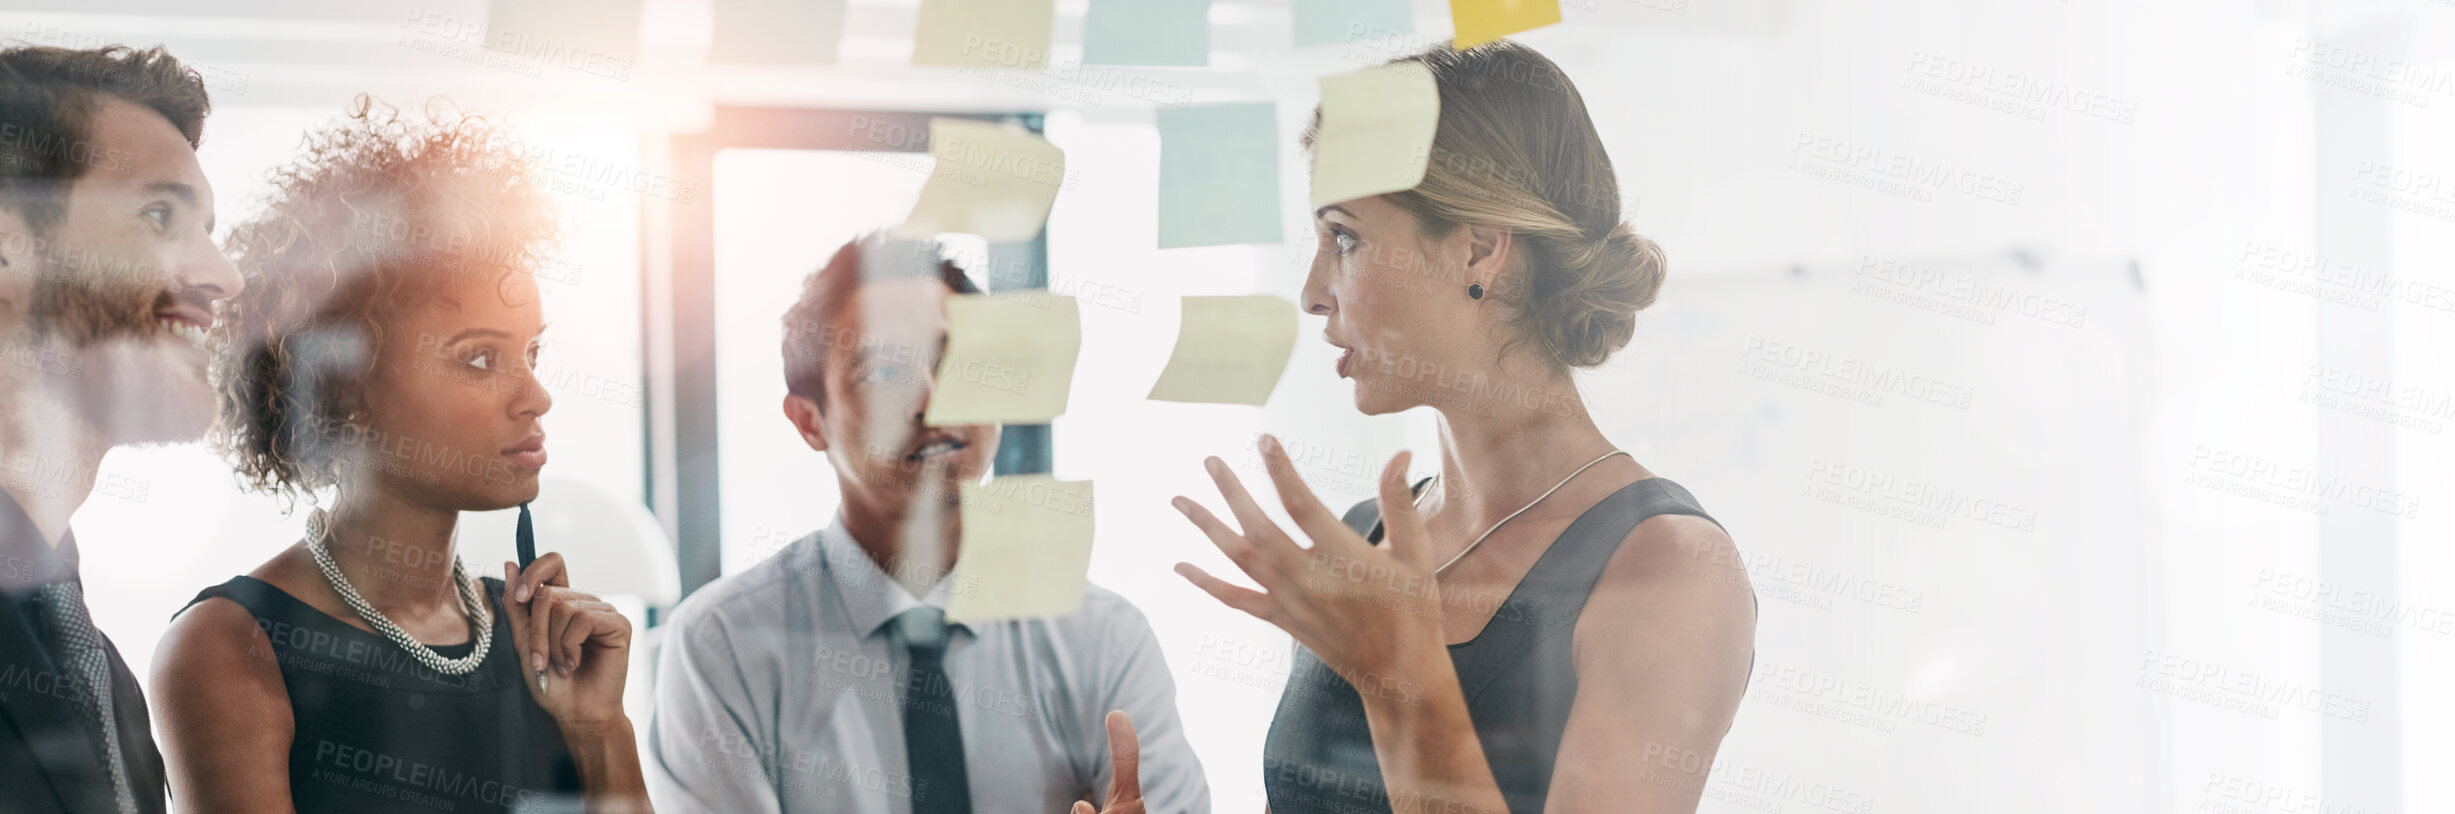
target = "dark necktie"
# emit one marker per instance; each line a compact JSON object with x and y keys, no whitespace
{"x":77,"y":648}
{"x":933,"y":734}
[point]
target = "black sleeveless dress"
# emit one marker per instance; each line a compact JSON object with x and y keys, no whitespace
{"x":1517,"y":674}
{"x":379,"y":732}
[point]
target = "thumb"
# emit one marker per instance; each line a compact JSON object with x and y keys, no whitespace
{"x":517,"y":612}
{"x":1402,"y":529}
{"x":1081,"y":807}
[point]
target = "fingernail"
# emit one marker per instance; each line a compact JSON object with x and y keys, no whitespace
{"x":1270,"y":443}
{"x":537,"y":662}
{"x":1215,"y":465}
{"x":1181,"y":503}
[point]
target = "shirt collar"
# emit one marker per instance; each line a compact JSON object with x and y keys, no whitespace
{"x":869,"y":594}
{"x":27,"y":559}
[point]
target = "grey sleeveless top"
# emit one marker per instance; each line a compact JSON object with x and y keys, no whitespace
{"x":1517,"y":673}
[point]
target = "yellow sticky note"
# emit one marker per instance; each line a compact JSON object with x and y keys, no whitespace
{"x":588,"y":36}
{"x":989,"y":180}
{"x":1009,"y":359}
{"x":1376,"y":132}
{"x":1010,"y":34}
{"x":1482,"y":21}
{"x":777,"y":32}
{"x":1026,"y":549}
{"x":1231,"y":350}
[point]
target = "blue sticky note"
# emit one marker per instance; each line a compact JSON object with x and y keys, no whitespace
{"x":1218,"y":174}
{"x":1147,"y":32}
{"x":1333,"y":22}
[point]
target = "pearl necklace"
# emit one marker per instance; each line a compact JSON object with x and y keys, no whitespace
{"x":1470,"y":547}
{"x":319,"y":537}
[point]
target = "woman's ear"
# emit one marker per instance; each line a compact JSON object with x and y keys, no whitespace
{"x":1488,"y":254}
{"x":805,"y":417}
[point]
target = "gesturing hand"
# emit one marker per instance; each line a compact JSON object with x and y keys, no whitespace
{"x":1356,"y":606}
{"x":580,"y":643}
{"x":1125,"y":757}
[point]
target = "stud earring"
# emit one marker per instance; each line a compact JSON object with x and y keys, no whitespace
{"x":1474,"y":291}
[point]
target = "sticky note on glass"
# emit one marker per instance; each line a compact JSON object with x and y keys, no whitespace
{"x":989,"y":180}
{"x":590,"y":36}
{"x":1218,"y":174}
{"x":1331,"y":22}
{"x":1026,"y":549}
{"x":1482,"y":21}
{"x":1009,"y":34}
{"x":1230,"y":350}
{"x":1147,"y":32}
{"x":1009,"y":359}
{"x":1376,"y":132}
{"x":777,"y":32}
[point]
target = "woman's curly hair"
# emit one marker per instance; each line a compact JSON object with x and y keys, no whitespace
{"x":375,"y":216}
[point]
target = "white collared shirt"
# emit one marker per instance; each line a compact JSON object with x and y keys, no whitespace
{"x":777,"y":690}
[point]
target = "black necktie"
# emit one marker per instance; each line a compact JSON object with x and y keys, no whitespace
{"x":77,"y":648}
{"x":933,"y":734}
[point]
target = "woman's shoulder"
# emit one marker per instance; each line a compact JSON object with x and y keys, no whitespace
{"x":217,"y":685}
{"x":240,"y":610}
{"x":235,"y":611}
{"x":216,"y":642}
{"x":1676,"y":561}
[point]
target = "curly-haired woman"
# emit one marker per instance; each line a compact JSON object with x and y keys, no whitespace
{"x":384,"y":353}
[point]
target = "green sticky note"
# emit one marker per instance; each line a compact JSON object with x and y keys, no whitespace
{"x":1218,"y":174}
{"x":1331,"y":22}
{"x":1147,"y":32}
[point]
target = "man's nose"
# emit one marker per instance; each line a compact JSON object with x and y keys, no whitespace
{"x":925,"y":387}
{"x":209,"y":272}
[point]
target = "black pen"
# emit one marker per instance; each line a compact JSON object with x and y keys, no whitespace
{"x":527,"y":539}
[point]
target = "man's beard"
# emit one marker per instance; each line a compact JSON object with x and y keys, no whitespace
{"x":134,"y":382}
{"x":89,"y":306}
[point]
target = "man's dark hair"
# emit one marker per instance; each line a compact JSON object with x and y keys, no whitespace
{"x":48,"y":97}
{"x":809,"y":326}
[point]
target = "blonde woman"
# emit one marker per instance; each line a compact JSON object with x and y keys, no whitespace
{"x":1545,"y":624}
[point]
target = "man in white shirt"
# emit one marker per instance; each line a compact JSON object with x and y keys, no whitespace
{"x":827,"y":679}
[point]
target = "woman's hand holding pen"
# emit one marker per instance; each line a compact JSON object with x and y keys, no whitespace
{"x":574,"y":648}
{"x":1366,"y":611}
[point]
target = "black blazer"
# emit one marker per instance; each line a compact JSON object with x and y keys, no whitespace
{"x":48,"y":761}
